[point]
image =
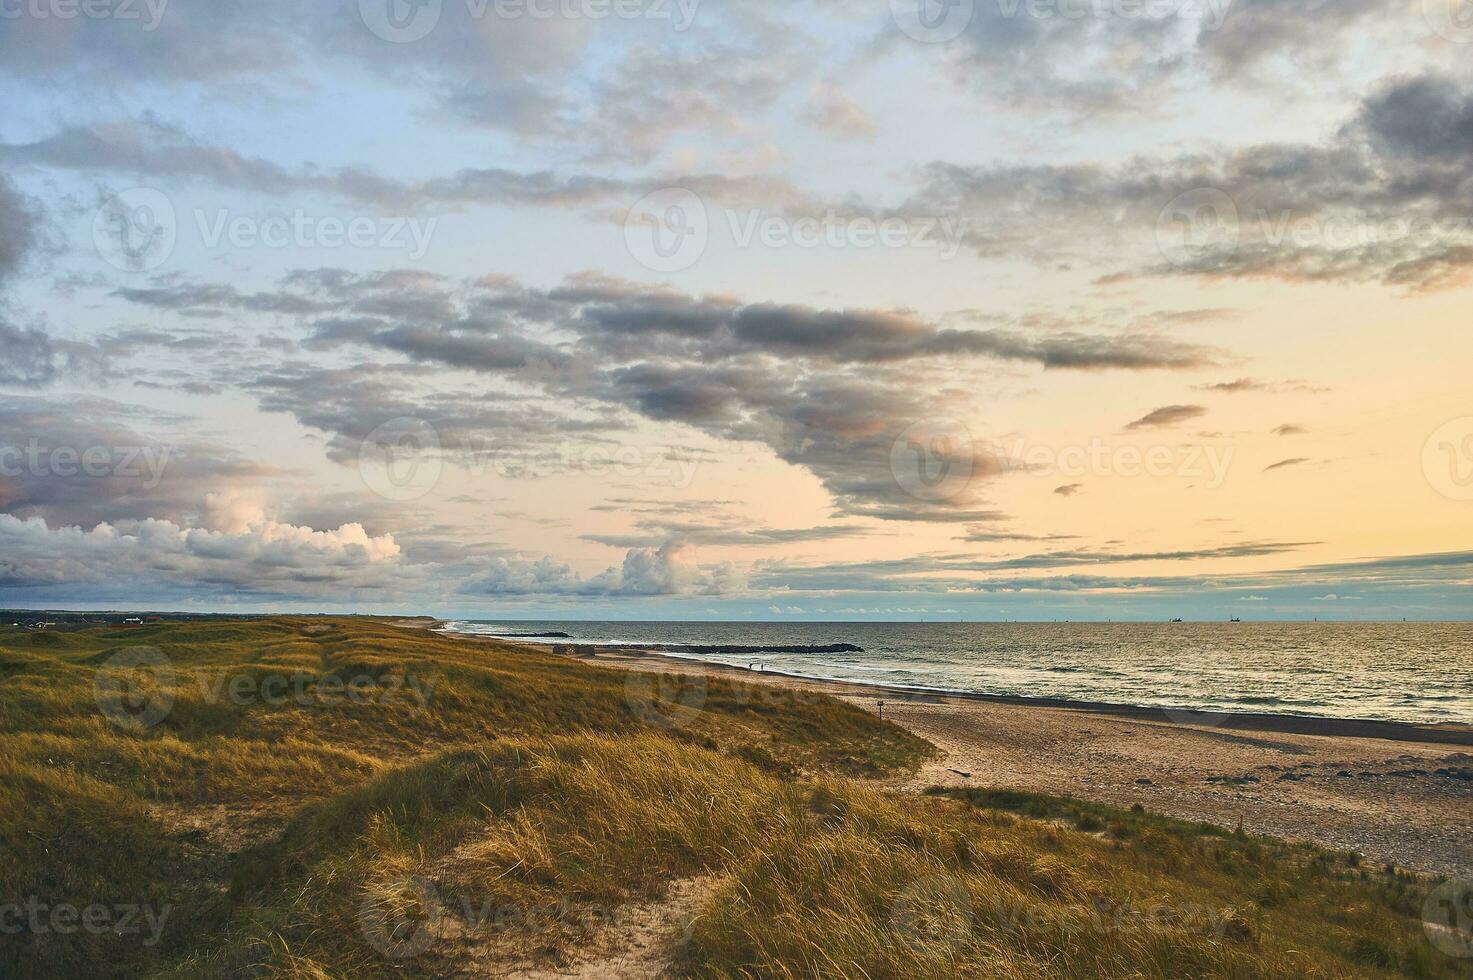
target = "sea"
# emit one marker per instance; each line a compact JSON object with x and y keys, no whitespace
{"x":1410,"y":672}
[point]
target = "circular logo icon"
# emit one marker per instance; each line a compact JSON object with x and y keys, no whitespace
{"x":1447,"y":459}
{"x":400,"y":21}
{"x":667,"y":231}
{"x":934,"y":911}
{"x":1450,"y":19}
{"x":400,"y":919}
{"x":400,"y":460}
{"x":1198,"y":223}
{"x":135,"y":230}
{"x":667,"y":701}
{"x":934,"y":459}
{"x":932,"y":21}
{"x":134,"y":688}
{"x":1447,"y":917}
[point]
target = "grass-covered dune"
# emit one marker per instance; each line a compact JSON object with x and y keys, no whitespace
{"x":349,"y":798}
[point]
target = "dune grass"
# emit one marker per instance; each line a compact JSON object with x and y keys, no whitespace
{"x":266,"y":716}
{"x":513,"y":812}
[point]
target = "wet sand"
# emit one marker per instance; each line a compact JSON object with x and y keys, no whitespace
{"x":1391,"y":792}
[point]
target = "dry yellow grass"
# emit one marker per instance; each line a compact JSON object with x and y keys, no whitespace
{"x":518,"y":810}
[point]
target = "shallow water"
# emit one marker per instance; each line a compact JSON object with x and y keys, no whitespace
{"x":1418,"y":672}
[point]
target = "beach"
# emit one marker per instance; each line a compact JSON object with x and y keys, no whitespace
{"x":1393,"y":793}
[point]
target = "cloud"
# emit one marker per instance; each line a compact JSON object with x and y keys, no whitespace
{"x":1069,"y":489}
{"x":1382,"y":200}
{"x":941,"y":573}
{"x":1424,"y":118}
{"x":20,"y":229}
{"x":266,"y":559}
{"x":826,"y":390}
{"x":982,"y":535}
{"x":664,"y":571}
{"x":830,"y":110}
{"x":149,"y":149}
{"x":734,"y":533}
{"x":81,"y":461}
{"x":1289,"y":429}
{"x":29,"y":359}
{"x":1281,"y":464}
{"x":1241,"y":385}
{"x":269,"y":559}
{"x":1167,"y":415}
{"x":1234,"y":387}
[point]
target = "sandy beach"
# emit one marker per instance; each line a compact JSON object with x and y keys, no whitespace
{"x":1390,"y":792}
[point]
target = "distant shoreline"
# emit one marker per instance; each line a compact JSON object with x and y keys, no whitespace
{"x":1444,"y":733}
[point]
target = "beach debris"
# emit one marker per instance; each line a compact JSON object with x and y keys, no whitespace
{"x":1144,"y":782}
{"x":964,"y":775}
{"x":1232,"y":780}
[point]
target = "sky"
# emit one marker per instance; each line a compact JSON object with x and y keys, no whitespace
{"x":686,"y":309}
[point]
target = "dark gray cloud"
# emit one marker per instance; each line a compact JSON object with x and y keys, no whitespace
{"x":941,"y":572}
{"x":1167,"y":415}
{"x":1284,"y":463}
{"x":150,"y":41}
{"x":655,"y":532}
{"x":1071,"y":64}
{"x":1421,"y":118}
{"x":27,"y":357}
{"x":830,"y":391}
{"x":1240,"y":385}
{"x":984,"y":535}
{"x":1121,"y":60}
{"x":20,"y":228}
{"x":1428,"y":577}
{"x":518,"y":436}
{"x":151,"y":150}
{"x":1388,"y":198}
{"x":84,"y":461}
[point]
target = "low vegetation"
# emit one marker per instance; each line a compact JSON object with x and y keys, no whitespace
{"x":504,"y":807}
